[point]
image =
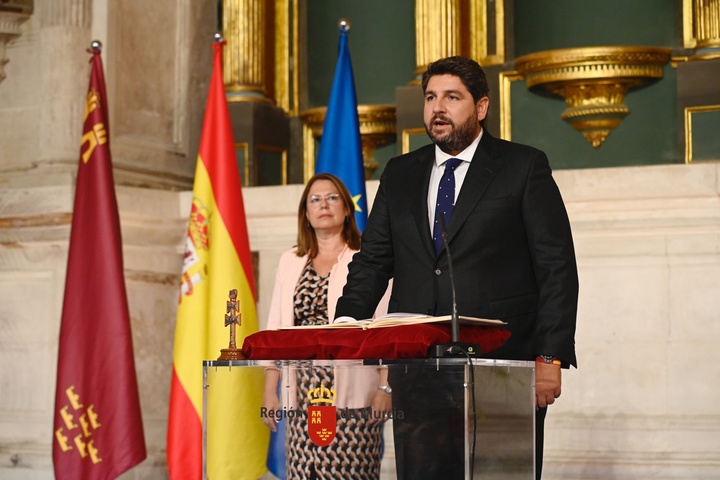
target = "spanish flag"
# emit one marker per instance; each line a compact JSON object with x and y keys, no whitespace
{"x":217,"y":260}
{"x":97,"y":430}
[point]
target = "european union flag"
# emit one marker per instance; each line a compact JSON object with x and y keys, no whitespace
{"x":341,"y":155}
{"x":340,"y":146}
{"x":276,"y":461}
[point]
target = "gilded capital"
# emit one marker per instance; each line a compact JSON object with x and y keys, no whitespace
{"x":593,"y":81}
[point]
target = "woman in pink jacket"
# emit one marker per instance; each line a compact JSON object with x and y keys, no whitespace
{"x":310,"y":278}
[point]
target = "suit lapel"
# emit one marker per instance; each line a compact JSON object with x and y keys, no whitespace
{"x":419,"y":195}
{"x":483,"y":168}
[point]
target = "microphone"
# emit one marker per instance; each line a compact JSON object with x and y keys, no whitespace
{"x":455,"y":348}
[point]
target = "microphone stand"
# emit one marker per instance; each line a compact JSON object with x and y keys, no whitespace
{"x":455,"y":348}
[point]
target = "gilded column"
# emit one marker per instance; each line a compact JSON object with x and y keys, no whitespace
{"x":286,"y":57}
{"x":473,"y":28}
{"x":244,"y":56}
{"x":707,"y":15}
{"x":486,"y":31}
{"x":437,"y":31}
{"x":702,"y":28}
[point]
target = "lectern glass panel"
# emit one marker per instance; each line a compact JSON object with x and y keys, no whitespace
{"x":450,"y":418}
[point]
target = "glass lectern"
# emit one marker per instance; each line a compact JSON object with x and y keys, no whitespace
{"x":481,"y":410}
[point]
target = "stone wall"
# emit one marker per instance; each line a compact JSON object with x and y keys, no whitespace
{"x":644,"y":401}
{"x":643,"y":404}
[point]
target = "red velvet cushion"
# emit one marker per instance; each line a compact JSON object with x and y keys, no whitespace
{"x":406,"y":341}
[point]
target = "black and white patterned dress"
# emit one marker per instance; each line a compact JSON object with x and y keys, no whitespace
{"x":355,"y":451}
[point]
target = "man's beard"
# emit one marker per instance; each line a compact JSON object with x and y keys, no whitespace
{"x":458,"y":138}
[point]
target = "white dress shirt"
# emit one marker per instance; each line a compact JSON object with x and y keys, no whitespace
{"x":439,"y":169}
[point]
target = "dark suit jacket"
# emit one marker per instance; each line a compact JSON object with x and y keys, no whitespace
{"x":510,"y":240}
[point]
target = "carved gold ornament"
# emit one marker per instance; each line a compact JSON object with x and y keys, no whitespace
{"x":377,"y":128}
{"x":593,"y":81}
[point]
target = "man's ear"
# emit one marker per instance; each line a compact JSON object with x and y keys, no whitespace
{"x":482,"y":106}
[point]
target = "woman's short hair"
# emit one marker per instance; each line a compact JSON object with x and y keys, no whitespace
{"x":306,"y":239}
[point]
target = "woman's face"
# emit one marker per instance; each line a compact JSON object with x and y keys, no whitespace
{"x":325,"y":207}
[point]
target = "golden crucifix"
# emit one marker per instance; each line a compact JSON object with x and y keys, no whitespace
{"x":232,"y":318}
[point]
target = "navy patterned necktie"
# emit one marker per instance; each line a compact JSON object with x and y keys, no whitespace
{"x":445,"y":200}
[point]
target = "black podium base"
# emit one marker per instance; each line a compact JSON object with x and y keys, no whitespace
{"x":456,"y":349}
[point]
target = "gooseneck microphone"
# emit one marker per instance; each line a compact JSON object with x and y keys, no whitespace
{"x":454,"y":319}
{"x":455,"y":348}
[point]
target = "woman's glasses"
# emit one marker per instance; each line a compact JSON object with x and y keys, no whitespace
{"x":330,"y":198}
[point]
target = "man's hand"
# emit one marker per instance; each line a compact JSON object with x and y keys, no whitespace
{"x":548,"y":384}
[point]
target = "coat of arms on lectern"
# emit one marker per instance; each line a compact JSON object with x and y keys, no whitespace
{"x":322,"y":420}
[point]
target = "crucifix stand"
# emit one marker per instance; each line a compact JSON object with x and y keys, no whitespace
{"x":232,"y":318}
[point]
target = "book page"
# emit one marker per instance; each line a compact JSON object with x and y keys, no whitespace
{"x":356,"y":324}
{"x":399,"y":318}
{"x":419,"y":318}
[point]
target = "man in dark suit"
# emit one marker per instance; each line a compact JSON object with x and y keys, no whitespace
{"x":508,"y":232}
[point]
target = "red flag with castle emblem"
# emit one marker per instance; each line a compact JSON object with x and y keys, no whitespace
{"x":97,"y":431}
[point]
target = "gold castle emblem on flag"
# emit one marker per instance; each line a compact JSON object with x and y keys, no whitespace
{"x":79,"y":425}
{"x":322,"y":420}
{"x":97,"y":135}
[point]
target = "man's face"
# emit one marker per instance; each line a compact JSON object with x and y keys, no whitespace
{"x":451,"y":116}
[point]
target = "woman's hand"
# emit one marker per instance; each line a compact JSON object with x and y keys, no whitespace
{"x":271,"y":403}
{"x":381,"y":407}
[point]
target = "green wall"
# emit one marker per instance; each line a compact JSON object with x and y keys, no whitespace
{"x":550,"y":24}
{"x":649,"y":134}
{"x":382,"y":47}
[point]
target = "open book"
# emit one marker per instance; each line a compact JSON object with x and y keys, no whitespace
{"x":399,"y":318}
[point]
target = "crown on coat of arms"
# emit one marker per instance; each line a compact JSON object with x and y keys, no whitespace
{"x":322,"y":394}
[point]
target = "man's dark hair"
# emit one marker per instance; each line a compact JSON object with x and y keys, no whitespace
{"x":469,"y":72}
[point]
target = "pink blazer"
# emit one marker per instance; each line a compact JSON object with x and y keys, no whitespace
{"x":354,"y":385}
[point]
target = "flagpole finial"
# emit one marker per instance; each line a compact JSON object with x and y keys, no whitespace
{"x":344,"y":25}
{"x":218,"y":37}
{"x":96,"y":45}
